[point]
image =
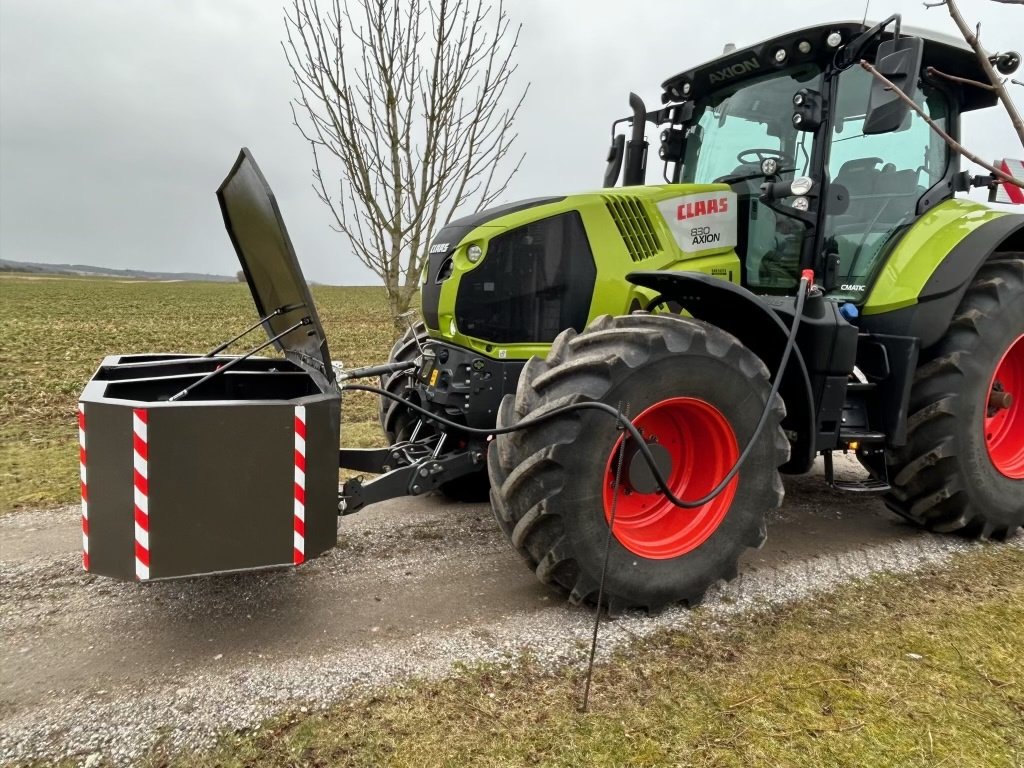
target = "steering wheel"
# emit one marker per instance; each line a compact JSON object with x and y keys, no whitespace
{"x":761,"y":155}
{"x":782,"y":160}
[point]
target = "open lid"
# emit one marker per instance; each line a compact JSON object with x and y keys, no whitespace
{"x":256,"y":229}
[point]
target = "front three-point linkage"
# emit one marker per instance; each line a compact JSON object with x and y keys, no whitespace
{"x":409,"y":467}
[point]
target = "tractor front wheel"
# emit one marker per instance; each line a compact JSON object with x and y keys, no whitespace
{"x":696,"y":394}
{"x":392,"y":414}
{"x":962,"y":469}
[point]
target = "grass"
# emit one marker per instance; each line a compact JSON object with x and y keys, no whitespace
{"x":54,"y":331}
{"x":919,"y":670}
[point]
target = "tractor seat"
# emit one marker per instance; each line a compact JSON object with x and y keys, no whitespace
{"x":879,"y":198}
{"x":900,"y":192}
{"x":858,"y":178}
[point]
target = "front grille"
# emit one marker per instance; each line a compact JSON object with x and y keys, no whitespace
{"x":534,"y":282}
{"x":631,"y":219}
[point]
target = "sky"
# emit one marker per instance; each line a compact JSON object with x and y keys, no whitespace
{"x":120,"y":118}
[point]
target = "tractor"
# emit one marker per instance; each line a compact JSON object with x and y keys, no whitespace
{"x":625,"y":373}
{"x":805,"y":280}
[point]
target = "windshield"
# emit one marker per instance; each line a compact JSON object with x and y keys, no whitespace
{"x":732,"y":130}
{"x":756,"y":114}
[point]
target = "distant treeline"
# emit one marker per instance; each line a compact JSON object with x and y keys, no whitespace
{"x":87,"y":270}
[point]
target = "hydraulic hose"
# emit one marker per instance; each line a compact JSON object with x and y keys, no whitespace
{"x":805,"y":284}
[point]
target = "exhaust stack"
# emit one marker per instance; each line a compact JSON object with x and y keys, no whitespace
{"x":636,"y":149}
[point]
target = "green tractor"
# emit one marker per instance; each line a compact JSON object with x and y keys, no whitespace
{"x":804,"y":281}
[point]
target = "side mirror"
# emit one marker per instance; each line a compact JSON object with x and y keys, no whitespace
{"x":900,"y":61}
{"x":615,"y":154}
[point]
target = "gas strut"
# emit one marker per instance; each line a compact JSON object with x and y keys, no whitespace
{"x":236,"y":360}
{"x":279,"y":311}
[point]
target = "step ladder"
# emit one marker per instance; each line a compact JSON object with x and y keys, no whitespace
{"x":865,"y":485}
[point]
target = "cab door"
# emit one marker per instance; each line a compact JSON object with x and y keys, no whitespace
{"x":876,"y":181}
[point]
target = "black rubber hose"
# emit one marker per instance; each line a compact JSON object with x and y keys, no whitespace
{"x":628,"y":425}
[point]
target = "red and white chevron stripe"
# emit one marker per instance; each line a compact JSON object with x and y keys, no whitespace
{"x":140,"y":440}
{"x":84,"y":484}
{"x":299,"y":517}
{"x":1005,"y":191}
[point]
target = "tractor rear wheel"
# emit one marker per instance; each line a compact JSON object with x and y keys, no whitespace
{"x":962,"y":469}
{"x":397,"y":421}
{"x":696,"y":393}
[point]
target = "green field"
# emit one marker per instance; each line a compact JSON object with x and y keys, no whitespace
{"x":54,"y":331}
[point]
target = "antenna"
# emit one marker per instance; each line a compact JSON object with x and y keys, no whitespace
{"x":864,"y":21}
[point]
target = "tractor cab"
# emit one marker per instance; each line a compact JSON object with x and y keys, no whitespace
{"x":829,"y":167}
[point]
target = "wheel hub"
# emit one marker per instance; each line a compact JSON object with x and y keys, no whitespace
{"x":1004,"y":415}
{"x":639,"y":477}
{"x":694,"y":446}
{"x":998,"y":399}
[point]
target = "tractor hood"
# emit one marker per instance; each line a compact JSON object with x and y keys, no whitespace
{"x":279,"y":290}
{"x":506,"y":281}
{"x":451,"y":235}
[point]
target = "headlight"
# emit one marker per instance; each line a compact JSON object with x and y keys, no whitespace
{"x":801,"y":185}
{"x":474,"y":253}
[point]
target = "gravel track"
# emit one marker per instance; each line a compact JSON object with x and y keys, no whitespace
{"x":90,"y":666}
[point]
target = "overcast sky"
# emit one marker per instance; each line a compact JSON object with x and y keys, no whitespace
{"x":119,"y":118}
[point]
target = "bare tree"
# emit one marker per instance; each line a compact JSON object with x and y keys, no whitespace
{"x":404,"y":105}
{"x":995,"y":83}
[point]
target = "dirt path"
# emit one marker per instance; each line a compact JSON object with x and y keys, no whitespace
{"x":407,"y":578}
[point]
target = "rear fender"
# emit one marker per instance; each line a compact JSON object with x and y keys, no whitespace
{"x":745,"y":316}
{"x":928,"y":318}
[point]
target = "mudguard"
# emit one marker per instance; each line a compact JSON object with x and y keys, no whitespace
{"x":744,"y":315}
{"x":928,"y":274}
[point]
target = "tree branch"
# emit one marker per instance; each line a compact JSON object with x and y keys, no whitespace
{"x":973,"y":39}
{"x":933,"y":72}
{"x":953,"y":143}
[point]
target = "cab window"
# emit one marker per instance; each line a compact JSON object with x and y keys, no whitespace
{"x":882,"y":177}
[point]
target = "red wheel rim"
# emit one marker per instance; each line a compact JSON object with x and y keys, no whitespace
{"x":1004,"y":426}
{"x":702,"y":447}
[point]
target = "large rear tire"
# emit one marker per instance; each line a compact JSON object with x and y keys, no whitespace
{"x":692,"y":388}
{"x":962,"y":469}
